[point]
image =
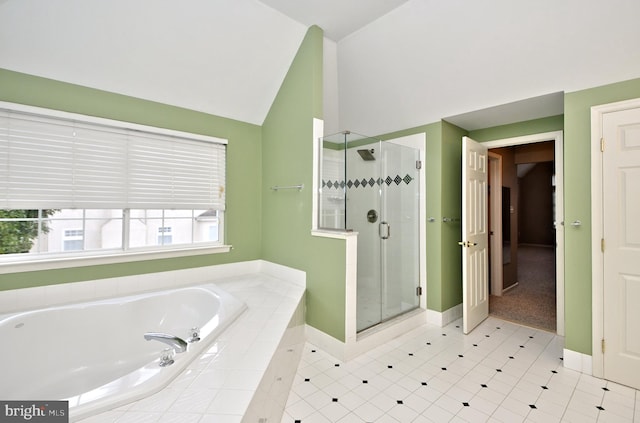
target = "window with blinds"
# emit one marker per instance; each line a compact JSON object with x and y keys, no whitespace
{"x":71,"y":182}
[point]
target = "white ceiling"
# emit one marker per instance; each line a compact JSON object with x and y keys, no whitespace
{"x":393,"y":64}
{"x":517,"y":111}
{"x":338,"y":18}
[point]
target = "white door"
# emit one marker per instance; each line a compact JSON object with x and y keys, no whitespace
{"x":621,"y":262}
{"x":475,"y":289}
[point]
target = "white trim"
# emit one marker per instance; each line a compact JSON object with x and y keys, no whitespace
{"x":109,"y":122}
{"x":318,"y":130}
{"x":597,"y":219}
{"x":495,"y":238}
{"x":557,"y":137}
{"x":574,"y":360}
{"x":31,"y":263}
{"x":337,"y":234}
{"x":442,"y":319}
{"x":351,"y":289}
{"x":510,"y":287}
{"x":325,"y":342}
{"x":368,"y":340}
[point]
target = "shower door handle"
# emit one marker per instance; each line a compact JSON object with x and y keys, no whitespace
{"x":384,"y":230}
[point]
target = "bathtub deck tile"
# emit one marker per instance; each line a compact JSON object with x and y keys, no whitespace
{"x":240,"y":378}
{"x":180,"y":418}
{"x":159,"y":402}
{"x":194,"y":400}
{"x":106,"y":417}
{"x":210,"y":379}
{"x":139,"y":417}
{"x":221,"y":418}
{"x":184,"y":379}
{"x":255,"y":357}
{"x":219,"y":386}
{"x":231,"y":401}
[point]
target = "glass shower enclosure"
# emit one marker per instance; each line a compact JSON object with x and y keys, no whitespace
{"x":372,"y":187}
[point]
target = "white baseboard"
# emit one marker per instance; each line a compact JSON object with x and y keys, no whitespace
{"x":367,"y":340}
{"x":574,"y":360}
{"x":444,"y":318}
{"x":325,"y":342}
{"x":510,"y":287}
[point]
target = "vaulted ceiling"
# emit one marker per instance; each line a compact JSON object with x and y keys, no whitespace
{"x":389,"y":64}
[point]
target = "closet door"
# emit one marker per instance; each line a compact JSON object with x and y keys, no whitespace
{"x":621,"y":229}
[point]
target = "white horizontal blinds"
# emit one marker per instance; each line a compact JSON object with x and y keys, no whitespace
{"x":39,"y":166}
{"x":166,"y":170}
{"x":100,"y":168}
{"x":60,"y":163}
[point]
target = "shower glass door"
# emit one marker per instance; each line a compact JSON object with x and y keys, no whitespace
{"x":383,"y":207}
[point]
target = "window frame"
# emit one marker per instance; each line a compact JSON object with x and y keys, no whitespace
{"x":14,"y":263}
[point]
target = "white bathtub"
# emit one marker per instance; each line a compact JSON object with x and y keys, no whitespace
{"x":94,"y":354}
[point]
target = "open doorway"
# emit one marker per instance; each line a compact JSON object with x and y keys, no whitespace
{"x":525,"y":245}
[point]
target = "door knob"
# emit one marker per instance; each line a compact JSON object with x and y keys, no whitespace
{"x":372,"y":216}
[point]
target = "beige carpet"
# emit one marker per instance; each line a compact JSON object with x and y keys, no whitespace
{"x":533,"y":301}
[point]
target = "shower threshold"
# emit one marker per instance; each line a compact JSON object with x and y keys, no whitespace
{"x":390,"y":323}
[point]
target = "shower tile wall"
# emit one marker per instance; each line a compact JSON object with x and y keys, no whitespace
{"x":332,"y":201}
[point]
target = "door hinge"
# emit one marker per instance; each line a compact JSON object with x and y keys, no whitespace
{"x":602,"y":144}
{"x":602,"y":244}
{"x":418,"y":164}
{"x":418,"y":291}
{"x":602,"y":345}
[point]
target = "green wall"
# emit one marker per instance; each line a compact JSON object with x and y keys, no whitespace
{"x":577,"y":168}
{"x":451,"y":208}
{"x":260,"y":223}
{"x":276,"y":226}
{"x":576,"y":123}
{"x":287,"y":135}
{"x":244,"y":170}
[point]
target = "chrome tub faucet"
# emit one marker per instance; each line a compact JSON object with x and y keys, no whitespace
{"x":178,"y":344}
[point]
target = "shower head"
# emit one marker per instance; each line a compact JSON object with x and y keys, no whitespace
{"x":367,"y":155}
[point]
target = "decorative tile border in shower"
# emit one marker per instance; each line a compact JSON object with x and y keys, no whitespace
{"x":364,"y":182}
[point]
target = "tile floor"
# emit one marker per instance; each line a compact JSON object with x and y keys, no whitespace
{"x":501,"y":372}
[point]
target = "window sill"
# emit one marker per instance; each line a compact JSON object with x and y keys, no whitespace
{"x":333,"y":233}
{"x":99,"y":258}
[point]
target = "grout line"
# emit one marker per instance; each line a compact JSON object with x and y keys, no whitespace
{"x":543,"y":367}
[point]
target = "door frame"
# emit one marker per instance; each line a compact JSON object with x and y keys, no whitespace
{"x":597,"y":226}
{"x":557,"y":138}
{"x":495,"y":223}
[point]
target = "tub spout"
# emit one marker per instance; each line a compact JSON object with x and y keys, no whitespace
{"x":177,"y":343}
